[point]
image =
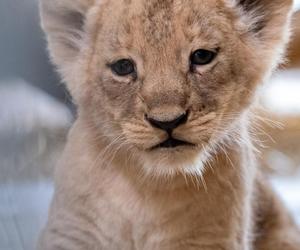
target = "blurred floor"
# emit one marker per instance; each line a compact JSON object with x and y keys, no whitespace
{"x":23,"y":212}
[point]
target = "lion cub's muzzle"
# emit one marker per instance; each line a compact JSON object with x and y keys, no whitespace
{"x":169,"y":126}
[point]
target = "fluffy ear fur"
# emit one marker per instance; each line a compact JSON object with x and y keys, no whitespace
{"x":266,"y":15}
{"x":63,"y":22}
{"x":268,"y":21}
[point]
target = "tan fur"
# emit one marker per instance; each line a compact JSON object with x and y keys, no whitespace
{"x":112,"y":190}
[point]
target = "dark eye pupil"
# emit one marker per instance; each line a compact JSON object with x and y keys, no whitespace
{"x":123,"y":67}
{"x":202,"y":57}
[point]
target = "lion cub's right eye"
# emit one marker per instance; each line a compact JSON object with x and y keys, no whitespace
{"x":202,"y":57}
{"x":123,"y":67}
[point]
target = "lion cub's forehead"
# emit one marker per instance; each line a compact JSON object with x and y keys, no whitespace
{"x":157,"y":22}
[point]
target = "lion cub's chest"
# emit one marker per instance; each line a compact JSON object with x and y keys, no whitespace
{"x":170,"y":224}
{"x":125,"y":236}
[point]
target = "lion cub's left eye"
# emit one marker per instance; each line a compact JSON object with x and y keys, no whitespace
{"x":123,"y":67}
{"x":202,"y":57}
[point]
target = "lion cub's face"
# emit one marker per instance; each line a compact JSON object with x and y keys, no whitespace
{"x":166,"y":79}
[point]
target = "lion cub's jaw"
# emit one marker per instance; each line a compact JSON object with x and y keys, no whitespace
{"x":159,"y":38}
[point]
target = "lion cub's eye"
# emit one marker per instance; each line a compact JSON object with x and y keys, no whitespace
{"x":123,"y":67}
{"x":202,"y":57}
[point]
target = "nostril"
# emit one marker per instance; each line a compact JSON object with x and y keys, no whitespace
{"x":168,"y":125}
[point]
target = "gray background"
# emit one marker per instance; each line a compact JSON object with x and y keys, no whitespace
{"x":22,"y":47}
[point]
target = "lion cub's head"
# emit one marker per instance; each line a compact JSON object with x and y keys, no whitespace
{"x":165,"y":79}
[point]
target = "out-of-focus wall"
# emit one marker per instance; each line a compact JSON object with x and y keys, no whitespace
{"x":22,"y":47}
{"x":294,"y":48}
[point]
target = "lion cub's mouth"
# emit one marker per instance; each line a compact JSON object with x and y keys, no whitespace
{"x":172,"y":143}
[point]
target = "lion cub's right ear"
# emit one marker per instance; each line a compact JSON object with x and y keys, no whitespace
{"x":63,"y":21}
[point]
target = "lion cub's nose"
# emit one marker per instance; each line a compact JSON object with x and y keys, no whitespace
{"x":168,"y":125}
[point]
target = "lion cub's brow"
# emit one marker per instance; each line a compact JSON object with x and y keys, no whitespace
{"x":166,"y":27}
{"x":157,"y":21}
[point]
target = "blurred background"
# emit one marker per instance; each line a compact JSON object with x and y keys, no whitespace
{"x":36,"y":113}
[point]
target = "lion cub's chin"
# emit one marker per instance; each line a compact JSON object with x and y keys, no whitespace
{"x":165,"y":162}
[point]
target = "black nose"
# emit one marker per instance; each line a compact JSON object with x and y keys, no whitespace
{"x":169,"y":125}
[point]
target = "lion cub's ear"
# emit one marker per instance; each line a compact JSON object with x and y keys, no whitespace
{"x":266,"y":16}
{"x":63,"y":21}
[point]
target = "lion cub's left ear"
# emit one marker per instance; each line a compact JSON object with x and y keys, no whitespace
{"x":266,"y":17}
{"x":63,"y":21}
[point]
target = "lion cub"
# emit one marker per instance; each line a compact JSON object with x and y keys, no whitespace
{"x":160,"y":156}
